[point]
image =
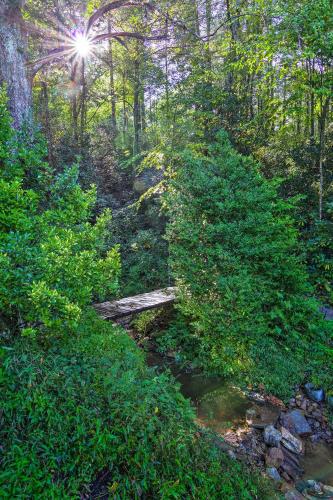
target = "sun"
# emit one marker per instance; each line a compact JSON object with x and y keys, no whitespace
{"x":82,"y":45}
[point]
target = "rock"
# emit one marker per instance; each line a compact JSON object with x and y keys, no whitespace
{"x":273,"y":473}
{"x":313,"y":487}
{"x":286,"y":477}
{"x":309,"y":488}
{"x":272,"y":436}
{"x":273,"y":400}
{"x":274,"y":457}
{"x":304,"y":405}
{"x":232,"y":455}
{"x":312,"y":407}
{"x":316,"y":395}
{"x":291,"y":442}
{"x":317,"y":415}
{"x":291,"y":458}
{"x":301,"y":486}
{"x":292,"y":471}
{"x":251,"y":413}
{"x":293,"y":495}
{"x":315,"y":438}
{"x":295,"y":422}
{"x":327,"y":312}
{"x":256,"y":397}
{"x":328,"y":490}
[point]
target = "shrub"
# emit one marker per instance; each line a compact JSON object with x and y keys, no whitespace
{"x":235,"y":256}
{"x":87,"y":404}
{"x":53,"y":260}
{"x":320,"y":255}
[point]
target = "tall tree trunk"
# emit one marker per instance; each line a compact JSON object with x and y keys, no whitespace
{"x":322,"y":130}
{"x":136,"y":109}
{"x":12,"y":61}
{"x":112,"y":87}
{"x":124,"y":109}
{"x":45,"y":118}
{"x":83,"y":105}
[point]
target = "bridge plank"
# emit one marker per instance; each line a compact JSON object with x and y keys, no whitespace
{"x":136,"y":304}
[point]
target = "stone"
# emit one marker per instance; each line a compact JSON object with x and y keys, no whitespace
{"x":274,"y":457}
{"x":292,"y":471}
{"x":313,"y":393}
{"x":330,"y":401}
{"x":291,"y":458}
{"x":293,"y":495}
{"x":272,"y":436}
{"x":256,"y":397}
{"x":328,"y":490}
{"x":273,"y":473}
{"x":232,"y":455}
{"x":317,"y":415}
{"x":286,"y":477}
{"x":304,"y":405}
{"x":251,"y":413}
{"x":313,"y":487}
{"x":295,"y":422}
{"x":291,"y":442}
{"x":301,"y":486}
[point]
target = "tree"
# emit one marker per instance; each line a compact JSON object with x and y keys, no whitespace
{"x":235,"y":257}
{"x":12,"y":60}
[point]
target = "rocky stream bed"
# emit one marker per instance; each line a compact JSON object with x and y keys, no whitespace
{"x":291,"y":444}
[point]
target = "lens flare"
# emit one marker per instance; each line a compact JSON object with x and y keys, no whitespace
{"x":82,"y":45}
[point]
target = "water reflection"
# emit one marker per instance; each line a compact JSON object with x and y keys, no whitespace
{"x":219,"y":405}
{"x":318,"y":463}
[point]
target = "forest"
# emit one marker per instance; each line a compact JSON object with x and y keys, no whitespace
{"x":151,"y":145}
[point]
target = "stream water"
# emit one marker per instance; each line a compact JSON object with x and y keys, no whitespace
{"x":221,"y":406}
{"x":318,"y":463}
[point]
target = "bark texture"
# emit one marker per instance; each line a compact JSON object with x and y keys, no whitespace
{"x":12,"y":61}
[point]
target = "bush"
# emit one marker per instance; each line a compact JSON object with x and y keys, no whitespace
{"x":320,"y":255}
{"x":235,"y":255}
{"x":87,"y":404}
{"x":53,"y":261}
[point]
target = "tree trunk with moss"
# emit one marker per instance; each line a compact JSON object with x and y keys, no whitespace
{"x":12,"y":60}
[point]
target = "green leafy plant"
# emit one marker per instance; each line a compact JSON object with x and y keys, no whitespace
{"x":320,"y":255}
{"x":88,"y":404}
{"x":53,"y":260}
{"x":236,"y":259}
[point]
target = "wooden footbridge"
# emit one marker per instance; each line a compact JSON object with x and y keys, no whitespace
{"x":134,"y":305}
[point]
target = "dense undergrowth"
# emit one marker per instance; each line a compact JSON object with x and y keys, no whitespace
{"x":74,"y":407}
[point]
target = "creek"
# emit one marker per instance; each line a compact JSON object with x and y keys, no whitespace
{"x":221,"y":406}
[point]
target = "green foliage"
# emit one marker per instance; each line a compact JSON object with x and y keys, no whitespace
{"x":178,"y":335}
{"x":144,"y":322}
{"x":86,"y":404}
{"x":320,"y":254}
{"x":53,"y":260}
{"x":235,"y":255}
{"x":144,"y":253}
